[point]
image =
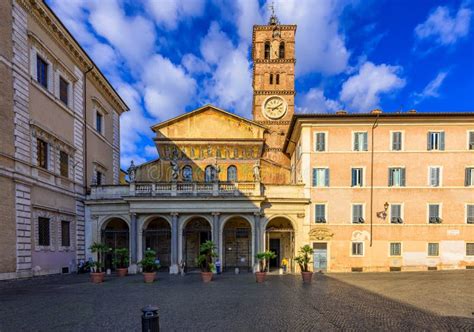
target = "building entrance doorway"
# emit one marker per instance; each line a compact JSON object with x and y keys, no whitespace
{"x":320,"y":256}
{"x":237,"y":249}
{"x":280,"y":238}
{"x":115,"y":235}
{"x":157,"y":236}
{"x":196,"y":232}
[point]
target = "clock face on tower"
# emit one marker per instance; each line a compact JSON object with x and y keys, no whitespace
{"x":274,"y":107}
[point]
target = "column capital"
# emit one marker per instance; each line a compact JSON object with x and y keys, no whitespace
{"x":215,"y":213}
{"x":174,"y":214}
{"x":133,"y":214}
{"x":258,"y":214}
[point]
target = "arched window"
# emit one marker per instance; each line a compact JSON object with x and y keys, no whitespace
{"x":232,"y":174}
{"x":281,"y":54}
{"x":267,"y":50}
{"x":271,"y":78}
{"x":277,"y":79}
{"x":209,"y":173}
{"x":187,"y":173}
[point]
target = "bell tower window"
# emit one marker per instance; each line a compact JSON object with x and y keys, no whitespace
{"x":271,"y":78}
{"x":277,"y":79}
{"x":267,"y":50}
{"x":281,"y":53}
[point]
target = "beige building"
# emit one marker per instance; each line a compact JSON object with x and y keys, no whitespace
{"x":59,"y":134}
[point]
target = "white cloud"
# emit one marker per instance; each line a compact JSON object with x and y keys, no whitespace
{"x":314,"y":101}
{"x":150,"y":151}
{"x":194,"y":65}
{"x":431,"y":89}
{"x":362,"y":91}
{"x":125,"y":160}
{"x":168,"y":13}
{"x":444,"y":28}
{"x":321,"y":44}
{"x":167,"y":88}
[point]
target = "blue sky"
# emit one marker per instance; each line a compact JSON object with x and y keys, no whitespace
{"x":169,"y":57}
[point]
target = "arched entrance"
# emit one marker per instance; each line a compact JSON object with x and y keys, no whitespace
{"x":280,"y":238}
{"x":157,"y":236}
{"x":237,"y":240}
{"x":196,"y":232}
{"x":115,"y":234}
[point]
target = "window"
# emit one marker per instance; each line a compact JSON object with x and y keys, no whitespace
{"x":99,"y":122}
{"x":41,"y":71}
{"x":396,"y":177}
{"x":281,"y":53}
{"x":63,"y":90}
{"x":267,"y":50}
{"x":320,"y":177}
{"x":395,"y":249}
{"x":320,"y":142}
{"x":360,"y":141}
{"x":357,"y":177}
{"x":470,"y":213}
{"x":434,"y":213}
{"x":433,"y":249}
{"x":232,"y":174}
{"x":436,"y":140}
{"x":397,"y":141}
{"x":99,"y":177}
{"x":209,"y":173}
{"x":277,"y":79}
{"x":271,"y":78}
{"x":470,"y":140}
{"x":396,"y":214}
{"x":469,"y":177}
{"x":42,"y":154}
{"x":187,"y":173}
{"x":357,"y":248}
{"x":358,"y":214}
{"x":43,"y":231}
{"x":64,"y":164}
{"x":469,"y":249}
{"x":434,"y":176}
{"x":65,"y":234}
{"x":320,"y":213}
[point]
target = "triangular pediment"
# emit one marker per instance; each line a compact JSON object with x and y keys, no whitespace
{"x":208,"y":122}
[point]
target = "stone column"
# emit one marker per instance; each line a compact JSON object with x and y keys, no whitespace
{"x":257,"y":245}
{"x":133,"y":243}
{"x":174,"y":268}
{"x":216,"y":233}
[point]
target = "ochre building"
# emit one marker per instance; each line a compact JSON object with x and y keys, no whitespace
{"x":59,"y":133}
{"x":369,"y":192}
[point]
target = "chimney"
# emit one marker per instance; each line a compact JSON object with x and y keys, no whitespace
{"x":341,"y":112}
{"x":376,"y":111}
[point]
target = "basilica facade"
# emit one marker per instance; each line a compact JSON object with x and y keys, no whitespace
{"x":369,"y":192}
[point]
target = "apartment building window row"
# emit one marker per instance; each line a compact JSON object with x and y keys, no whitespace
{"x":51,"y":154}
{"x":435,"y":141}
{"x":53,"y":230}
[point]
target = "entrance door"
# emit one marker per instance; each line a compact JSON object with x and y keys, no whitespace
{"x":320,"y":256}
{"x":275,"y":247}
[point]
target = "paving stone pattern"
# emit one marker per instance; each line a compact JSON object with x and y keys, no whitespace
{"x":230,"y":303}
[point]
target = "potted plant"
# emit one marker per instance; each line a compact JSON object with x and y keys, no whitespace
{"x":262,"y":258}
{"x":97,"y":275}
{"x":121,"y":261}
{"x":303,"y":260}
{"x":207,"y":252}
{"x":149,"y":265}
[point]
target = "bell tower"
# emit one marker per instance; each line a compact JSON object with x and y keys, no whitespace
{"x":273,"y":55}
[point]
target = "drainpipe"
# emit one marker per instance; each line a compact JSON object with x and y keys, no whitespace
{"x":84,"y":96}
{"x":375,"y":124}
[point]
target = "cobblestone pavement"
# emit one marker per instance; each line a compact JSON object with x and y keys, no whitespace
{"x":237,"y":303}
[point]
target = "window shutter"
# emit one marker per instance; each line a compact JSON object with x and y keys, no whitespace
{"x":56,"y":84}
{"x":429,"y":142}
{"x":356,"y":142}
{"x":50,"y":77}
{"x":322,"y":141}
{"x":470,"y":211}
{"x":441,"y":140}
{"x":402,"y":177}
{"x":314,"y":177}
{"x":326,"y":180}
{"x":467,"y":178}
{"x":390,"y":177}
{"x":33,"y":68}
{"x":353,"y":180}
{"x":69,"y":95}
{"x":471,"y":140}
{"x":364,"y":135}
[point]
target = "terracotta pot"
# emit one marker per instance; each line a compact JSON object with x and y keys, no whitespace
{"x":122,"y":272}
{"x":260,"y":276}
{"x":97,"y":277}
{"x":307,"y":277}
{"x":149,"y":277}
{"x":206,"y":276}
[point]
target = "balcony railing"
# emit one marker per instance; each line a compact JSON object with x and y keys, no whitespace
{"x":151,"y":189}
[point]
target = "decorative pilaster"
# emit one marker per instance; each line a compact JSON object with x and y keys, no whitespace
{"x":174,"y":268}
